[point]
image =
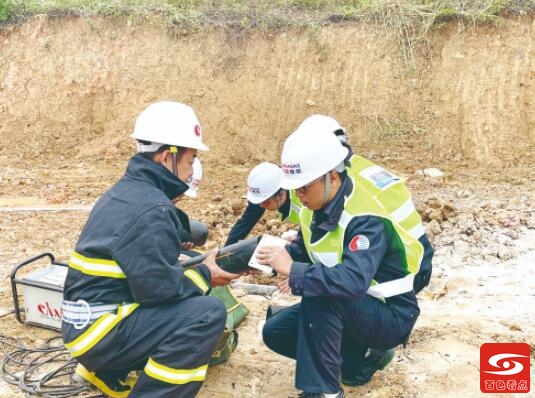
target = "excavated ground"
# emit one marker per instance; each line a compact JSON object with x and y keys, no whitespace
{"x":70,"y":90}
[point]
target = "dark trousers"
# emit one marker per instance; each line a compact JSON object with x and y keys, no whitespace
{"x":179,"y":335}
{"x":329,"y":336}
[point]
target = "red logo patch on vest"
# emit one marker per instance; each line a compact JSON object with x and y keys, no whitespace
{"x":359,"y":242}
{"x":197,"y":130}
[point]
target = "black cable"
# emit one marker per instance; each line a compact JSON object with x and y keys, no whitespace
{"x":8,"y":313}
{"x":46,"y":371}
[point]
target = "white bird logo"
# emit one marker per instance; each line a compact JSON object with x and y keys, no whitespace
{"x":518,"y":367}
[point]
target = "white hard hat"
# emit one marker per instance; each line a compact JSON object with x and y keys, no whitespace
{"x":168,"y":123}
{"x":308,"y":154}
{"x":320,"y":123}
{"x":263,"y":182}
{"x":195,"y":179}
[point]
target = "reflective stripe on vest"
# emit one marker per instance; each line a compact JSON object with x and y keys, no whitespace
{"x":417,"y":232}
{"x":294,"y":208}
{"x":329,"y":249}
{"x":329,"y":259}
{"x":98,"y":330}
{"x":197,"y":279}
{"x":174,"y":376}
{"x":96,"y":266}
{"x":392,"y":288}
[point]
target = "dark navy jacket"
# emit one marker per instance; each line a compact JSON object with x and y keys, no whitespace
{"x":136,"y":224}
{"x":351,"y":279}
{"x":250,"y":217}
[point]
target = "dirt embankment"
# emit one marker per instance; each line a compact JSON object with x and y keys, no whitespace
{"x":74,"y":86}
{"x":70,"y":90}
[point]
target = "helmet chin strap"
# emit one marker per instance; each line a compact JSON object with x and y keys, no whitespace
{"x":326,"y":190}
{"x":174,"y":154}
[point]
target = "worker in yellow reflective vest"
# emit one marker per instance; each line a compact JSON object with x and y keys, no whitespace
{"x":264,"y":191}
{"x":128,"y":303}
{"x":354,"y":264}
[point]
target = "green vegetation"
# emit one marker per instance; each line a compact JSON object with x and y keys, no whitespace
{"x":274,"y":13}
{"x":410,"y":20}
{"x":398,"y":127}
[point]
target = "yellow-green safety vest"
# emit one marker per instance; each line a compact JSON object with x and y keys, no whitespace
{"x":376,"y":192}
{"x":295,"y":208}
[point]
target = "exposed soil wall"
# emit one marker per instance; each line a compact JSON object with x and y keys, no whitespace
{"x":70,"y":90}
{"x":77,"y":84}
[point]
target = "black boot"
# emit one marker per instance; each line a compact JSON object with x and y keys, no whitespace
{"x":340,"y":394}
{"x":376,"y":360}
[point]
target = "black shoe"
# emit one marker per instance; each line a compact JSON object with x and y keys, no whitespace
{"x":319,"y":395}
{"x":377,"y":360}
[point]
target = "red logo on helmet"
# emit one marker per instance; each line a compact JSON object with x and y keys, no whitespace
{"x":359,"y":242}
{"x":197,"y":130}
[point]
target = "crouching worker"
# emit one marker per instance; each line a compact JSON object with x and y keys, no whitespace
{"x":353,"y":264}
{"x":264,"y":193}
{"x":128,"y":303}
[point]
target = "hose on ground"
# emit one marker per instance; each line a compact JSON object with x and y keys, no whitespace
{"x":46,"y":371}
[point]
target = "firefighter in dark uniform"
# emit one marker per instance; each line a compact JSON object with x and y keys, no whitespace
{"x":354,"y":264}
{"x":128,"y":304}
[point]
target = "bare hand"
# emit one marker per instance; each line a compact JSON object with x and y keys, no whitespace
{"x":187,"y":245}
{"x":289,"y":235}
{"x":219,"y":277}
{"x":284,"y":286}
{"x":250,"y":272}
{"x":277,"y":257}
